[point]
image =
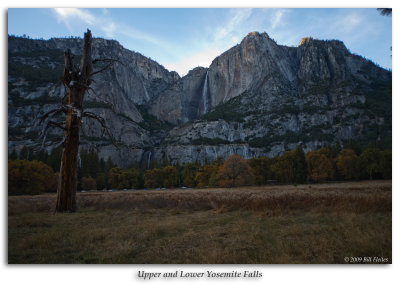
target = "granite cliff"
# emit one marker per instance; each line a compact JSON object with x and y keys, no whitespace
{"x":257,"y":98}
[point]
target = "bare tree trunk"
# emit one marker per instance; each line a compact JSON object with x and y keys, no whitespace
{"x":77,"y":80}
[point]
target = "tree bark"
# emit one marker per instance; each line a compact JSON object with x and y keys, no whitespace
{"x":77,"y":81}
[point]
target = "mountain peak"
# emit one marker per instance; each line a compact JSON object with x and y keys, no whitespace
{"x":250,"y":34}
{"x":255,"y":34}
{"x":310,"y":40}
{"x":305,"y":40}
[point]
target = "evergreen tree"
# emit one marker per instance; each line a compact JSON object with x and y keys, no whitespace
{"x":262,"y":169}
{"x":189,"y":174}
{"x":300,"y":166}
{"x":13,"y":155}
{"x":385,"y":164}
{"x":114,"y":177}
{"x":54,"y":159}
{"x":24,"y":154}
{"x":101,"y":181}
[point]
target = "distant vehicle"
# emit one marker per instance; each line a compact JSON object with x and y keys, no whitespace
{"x":83,"y":190}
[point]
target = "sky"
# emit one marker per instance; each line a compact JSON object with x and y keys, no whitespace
{"x":183,"y":38}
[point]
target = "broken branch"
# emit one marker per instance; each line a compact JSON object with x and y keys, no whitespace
{"x":102,"y":122}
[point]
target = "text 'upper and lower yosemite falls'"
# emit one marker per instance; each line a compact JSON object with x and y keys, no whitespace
{"x":195,"y":275}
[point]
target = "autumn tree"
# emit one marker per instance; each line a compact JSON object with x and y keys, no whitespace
{"x":129,"y":178}
{"x":29,"y":177}
{"x":170,"y":176}
{"x":153,"y":178}
{"x":348,"y":164}
{"x":114,"y":177}
{"x":235,"y":172}
{"x":207,"y":175}
{"x":77,"y":80}
{"x":291,"y":167}
{"x":370,"y":159}
{"x":320,"y":167}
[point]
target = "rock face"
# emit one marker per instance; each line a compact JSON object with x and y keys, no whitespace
{"x":35,"y":67}
{"x":183,"y":101}
{"x":257,"y":98}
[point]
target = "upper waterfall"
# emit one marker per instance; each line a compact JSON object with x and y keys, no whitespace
{"x":204,"y":94}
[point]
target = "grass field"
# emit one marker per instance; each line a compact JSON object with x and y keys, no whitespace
{"x":272,"y":224}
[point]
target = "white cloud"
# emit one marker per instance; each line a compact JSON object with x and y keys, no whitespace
{"x":203,"y":58}
{"x":236,"y":19}
{"x":222,"y":37}
{"x":108,"y":26}
{"x":353,"y":28}
{"x":276,"y":19}
{"x":346,"y":24}
{"x":133,"y":33}
{"x":70,"y":14}
{"x":235,"y":40}
{"x":109,"y":29}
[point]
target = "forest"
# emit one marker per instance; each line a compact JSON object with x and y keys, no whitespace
{"x":33,"y":173}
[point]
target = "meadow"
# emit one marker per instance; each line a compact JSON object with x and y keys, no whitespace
{"x":318,"y":223}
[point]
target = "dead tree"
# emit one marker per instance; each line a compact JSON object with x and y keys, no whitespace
{"x":77,"y":81}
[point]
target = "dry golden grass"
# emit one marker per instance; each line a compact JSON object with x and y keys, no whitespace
{"x":274,"y":224}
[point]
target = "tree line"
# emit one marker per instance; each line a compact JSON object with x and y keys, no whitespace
{"x":34,"y":173}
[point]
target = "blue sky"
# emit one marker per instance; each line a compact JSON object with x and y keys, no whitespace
{"x":181,"y":39}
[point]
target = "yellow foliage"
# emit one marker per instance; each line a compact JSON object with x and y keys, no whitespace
{"x":29,"y":177}
{"x":320,"y":167}
{"x":235,"y":172}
